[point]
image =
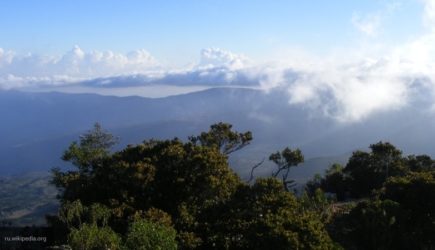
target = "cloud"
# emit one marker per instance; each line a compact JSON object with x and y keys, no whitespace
{"x":74,"y":65}
{"x":368,"y":25}
{"x":359,"y":83}
{"x":109,"y":69}
{"x":345,"y":90}
{"x":215,"y":57}
{"x":352,"y":89}
{"x":216,"y":67}
{"x":213,"y":77}
{"x":347,"y":86}
{"x":350,"y":92}
{"x":429,"y":13}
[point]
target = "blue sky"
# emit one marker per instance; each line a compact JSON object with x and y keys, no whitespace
{"x":175,"y":31}
{"x":365,"y":56}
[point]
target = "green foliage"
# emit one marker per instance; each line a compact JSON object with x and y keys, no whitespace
{"x":416,"y":195}
{"x":401,"y":217}
{"x":93,"y":146}
{"x":313,"y":184}
{"x":158,"y":216}
{"x":319,"y":203}
{"x":335,"y":182}
{"x":92,"y":237}
{"x":179,"y":178}
{"x":222,"y":137}
{"x":413,"y":191}
{"x":87,"y":226}
{"x":266,"y":216}
{"x":368,"y":171}
{"x":171,"y":193}
{"x":363,"y":175}
{"x":99,"y":214}
{"x":71,"y":213}
{"x":371,"y":225}
{"x":86,"y":155}
{"x":399,"y":213}
{"x":146,"y":235}
{"x":365,"y":172}
{"x":284,"y":160}
{"x":419,"y":163}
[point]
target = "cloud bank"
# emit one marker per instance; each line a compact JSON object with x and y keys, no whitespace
{"x":30,"y":69}
{"x":110,"y":69}
{"x":348,"y":87}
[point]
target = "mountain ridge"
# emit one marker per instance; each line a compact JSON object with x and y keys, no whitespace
{"x":37,"y":127}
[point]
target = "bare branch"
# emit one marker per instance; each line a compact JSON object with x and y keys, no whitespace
{"x":254,"y":167}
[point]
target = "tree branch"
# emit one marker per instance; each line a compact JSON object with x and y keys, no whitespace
{"x":254,"y":167}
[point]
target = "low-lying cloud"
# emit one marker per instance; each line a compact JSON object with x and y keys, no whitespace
{"x":18,"y":70}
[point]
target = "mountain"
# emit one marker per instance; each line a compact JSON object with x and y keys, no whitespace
{"x":37,"y":127}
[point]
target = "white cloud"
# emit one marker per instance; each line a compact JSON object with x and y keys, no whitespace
{"x":348,"y":86}
{"x":350,"y":92}
{"x":359,"y":83}
{"x":429,"y":13}
{"x":216,"y":67}
{"x":74,"y":65}
{"x":346,"y":90}
{"x":215,"y":57}
{"x":368,"y":25}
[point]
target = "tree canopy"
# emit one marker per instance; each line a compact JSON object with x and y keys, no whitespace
{"x":390,"y":198}
{"x":170,"y":189}
{"x":285,"y":160}
{"x":223,"y":137}
{"x":170,"y":194}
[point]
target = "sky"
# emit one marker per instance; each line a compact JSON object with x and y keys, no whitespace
{"x":175,"y":31}
{"x":366,"y":56}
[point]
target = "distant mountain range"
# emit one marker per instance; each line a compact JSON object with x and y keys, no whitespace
{"x":35,"y":128}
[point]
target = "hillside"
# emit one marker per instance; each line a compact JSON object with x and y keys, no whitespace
{"x":26,"y":199}
{"x":37,"y":127}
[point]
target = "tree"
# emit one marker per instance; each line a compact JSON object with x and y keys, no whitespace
{"x":370,"y":225}
{"x":86,"y":156}
{"x":335,"y":182}
{"x":284,"y":160}
{"x":415,"y":193}
{"x":189,"y":186}
{"x":385,"y":155}
{"x":319,"y":203}
{"x":266,"y":216}
{"x":146,"y":235}
{"x":418,"y":163}
{"x":222,"y":137}
{"x":93,"y":146}
{"x":87,"y":227}
{"x":313,"y":184}
{"x":92,"y":237}
{"x":179,"y":178}
{"x":366,"y":172}
{"x":401,"y":216}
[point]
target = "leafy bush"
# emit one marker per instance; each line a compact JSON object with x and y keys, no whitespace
{"x":147,"y":235}
{"x":92,"y":237}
